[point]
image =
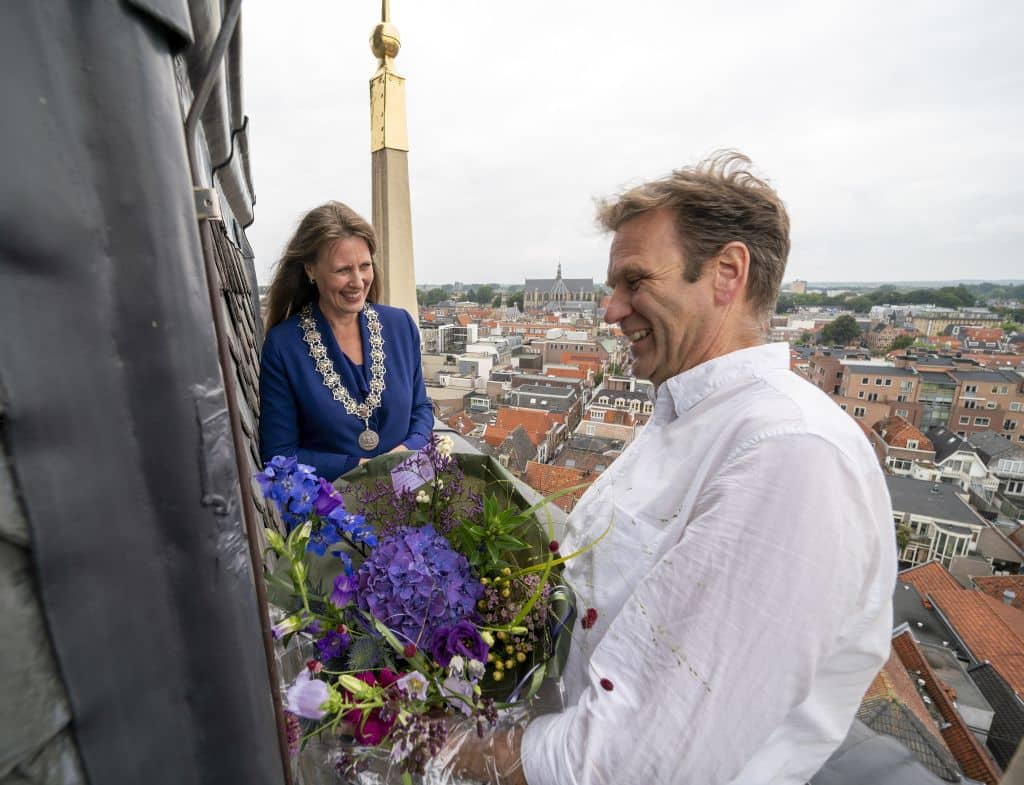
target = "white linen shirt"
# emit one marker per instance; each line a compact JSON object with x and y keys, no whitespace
{"x":743,"y":591}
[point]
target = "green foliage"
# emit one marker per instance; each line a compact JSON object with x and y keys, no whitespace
{"x":487,"y":542}
{"x":806,"y":337}
{"x":1012,"y":327}
{"x":902,"y":536}
{"x":841,"y":331}
{"x":517,"y":300}
{"x":903,"y":341}
{"x":365,"y":654}
{"x":434,"y":296}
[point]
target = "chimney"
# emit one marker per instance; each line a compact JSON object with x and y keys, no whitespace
{"x":1009,"y":596}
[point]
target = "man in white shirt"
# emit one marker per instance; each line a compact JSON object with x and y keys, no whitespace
{"x":743,"y":594}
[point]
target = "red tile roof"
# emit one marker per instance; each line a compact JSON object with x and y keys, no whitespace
{"x":995,"y":585}
{"x":461,"y":423}
{"x":547,"y":479}
{"x":896,"y":431}
{"x":536,"y":423}
{"x":972,"y":757}
{"x":984,"y":631}
{"x":929,"y":577}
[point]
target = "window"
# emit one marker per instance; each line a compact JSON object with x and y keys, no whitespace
{"x":906,"y":386}
{"x":965,"y":421}
{"x":902,"y":412}
{"x":1004,"y":389}
{"x":648,"y":407}
{"x":1015,"y":487}
{"x":858,"y":411}
{"x":597,"y":414}
{"x":983,"y":421}
{"x":969,"y":404}
{"x":1010,"y":425}
{"x":878,"y":381}
{"x":1015,"y":406}
{"x":990,"y":405}
{"x":911,"y":444}
{"x":842,"y":406}
{"x":900,"y":465}
{"x":865,"y":380}
{"x":872,"y":396}
{"x":901,"y":398}
{"x":970,"y":389}
{"x":888,"y":382}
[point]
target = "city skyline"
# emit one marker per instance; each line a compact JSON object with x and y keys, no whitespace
{"x":890,"y":132}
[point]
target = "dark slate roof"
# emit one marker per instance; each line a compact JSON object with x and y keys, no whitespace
{"x":1008,"y":723}
{"x":557,"y":390}
{"x":980,"y":375}
{"x":868,"y":757}
{"x":934,"y":500}
{"x":879,"y":370}
{"x":924,"y":623}
{"x":946,"y":442}
{"x":519,"y":448}
{"x":599,"y":444}
{"x":991,"y":445}
{"x":572,"y":284}
{"x":626,"y":395}
{"x":892,"y":718}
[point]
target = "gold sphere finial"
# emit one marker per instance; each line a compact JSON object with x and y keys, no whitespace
{"x":385,"y":42}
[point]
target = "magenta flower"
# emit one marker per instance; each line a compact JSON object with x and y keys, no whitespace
{"x":373,"y":727}
{"x":307,"y":696}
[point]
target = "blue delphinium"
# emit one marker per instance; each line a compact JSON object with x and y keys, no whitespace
{"x":292,"y":486}
{"x":354,"y":527}
{"x":414,"y":582}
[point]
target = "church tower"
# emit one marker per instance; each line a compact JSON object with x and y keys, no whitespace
{"x":389,"y":147}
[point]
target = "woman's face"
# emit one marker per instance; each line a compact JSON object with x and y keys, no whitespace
{"x":343,"y":276}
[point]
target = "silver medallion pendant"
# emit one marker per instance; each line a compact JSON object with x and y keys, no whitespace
{"x":368,"y":440}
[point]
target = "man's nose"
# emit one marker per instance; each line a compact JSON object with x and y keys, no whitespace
{"x":618,"y":307}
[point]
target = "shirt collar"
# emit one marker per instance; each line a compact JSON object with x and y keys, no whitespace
{"x":691,"y":387}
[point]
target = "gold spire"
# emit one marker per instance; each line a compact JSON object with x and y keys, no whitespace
{"x":384,"y":41}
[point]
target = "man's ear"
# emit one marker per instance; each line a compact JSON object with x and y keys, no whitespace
{"x":732,"y":269}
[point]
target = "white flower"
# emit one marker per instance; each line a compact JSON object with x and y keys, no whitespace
{"x":445,"y":445}
{"x":475,"y":670}
{"x":456,"y":666}
{"x":414,"y":684}
{"x":422,"y":497}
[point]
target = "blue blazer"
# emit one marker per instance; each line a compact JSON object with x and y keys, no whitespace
{"x":299,"y":416}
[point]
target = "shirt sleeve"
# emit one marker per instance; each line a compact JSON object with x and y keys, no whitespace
{"x":279,"y":420}
{"x":421,"y":420}
{"x":727,"y":634}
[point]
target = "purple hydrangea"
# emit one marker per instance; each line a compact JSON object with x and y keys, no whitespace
{"x":414,"y":582}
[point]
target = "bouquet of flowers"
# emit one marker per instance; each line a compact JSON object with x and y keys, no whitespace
{"x":429,"y":588}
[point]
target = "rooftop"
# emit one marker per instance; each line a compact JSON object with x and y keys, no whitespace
{"x":938,"y":501}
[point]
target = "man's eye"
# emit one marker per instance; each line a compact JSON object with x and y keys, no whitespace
{"x":633,"y":283}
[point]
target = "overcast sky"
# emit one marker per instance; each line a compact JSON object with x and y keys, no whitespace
{"x":894,"y":131}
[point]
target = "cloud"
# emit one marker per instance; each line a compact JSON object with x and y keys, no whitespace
{"x":892,"y":131}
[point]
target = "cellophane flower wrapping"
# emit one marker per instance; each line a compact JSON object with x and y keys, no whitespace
{"x":418,"y":596}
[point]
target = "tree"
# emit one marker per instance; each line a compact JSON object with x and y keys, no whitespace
{"x":434,"y":296}
{"x":516,"y":300}
{"x":806,"y":337}
{"x":841,"y":331}
{"x":496,"y":302}
{"x":484,"y":294}
{"x":903,"y":342}
{"x":902,"y":536}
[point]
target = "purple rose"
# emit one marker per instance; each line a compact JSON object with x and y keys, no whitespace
{"x":334,"y":643}
{"x":462,"y":639}
{"x":306,"y":696}
{"x":327,"y":499}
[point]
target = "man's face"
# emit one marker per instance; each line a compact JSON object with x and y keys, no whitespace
{"x":671,"y":323}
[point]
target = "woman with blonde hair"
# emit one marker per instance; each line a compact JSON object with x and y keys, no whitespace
{"x":340,"y":377}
